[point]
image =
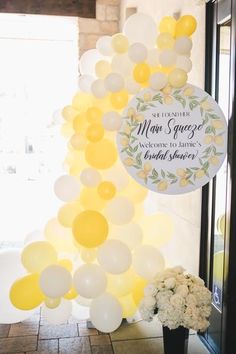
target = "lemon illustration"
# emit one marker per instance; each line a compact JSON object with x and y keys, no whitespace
{"x":147,"y":167}
{"x":200,"y":173}
{"x":141,"y":174}
{"x":168,"y":100}
{"x":139,"y":118}
{"x":206,"y":105}
{"x":131,"y":112}
{"x":181,"y":172}
{"x":214,"y":160}
{"x":183,"y":182}
{"x":188,"y":91}
{"x":124,"y":142}
{"x":127,"y":129}
{"x":147,"y":97}
{"x":162,"y":186}
{"x":208,"y":139}
{"x":129,"y":161}
{"x":219,"y":140}
{"x":217,"y":124}
{"x":167,"y":90}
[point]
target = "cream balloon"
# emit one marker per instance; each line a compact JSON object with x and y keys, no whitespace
{"x":88,"y":255}
{"x":167,"y":57}
{"x":119,"y":211}
{"x":98,"y":88}
{"x":121,"y":284}
{"x":184,"y":63}
{"x":141,"y":28}
{"x":90,"y":177}
{"x":104,"y":46}
{"x":183,"y":45}
{"x":158,"y":81}
{"x":106,"y":313}
{"x":90,"y":280}
{"x":114,"y":82}
{"x":114,"y":256}
{"x":58,"y":315}
{"x":111,"y":121}
{"x":88,"y":61}
{"x":118,"y":176}
{"x":153,"y":57}
{"x":148,"y":261}
{"x":67,"y":188}
{"x":85,"y":82}
{"x":55,"y":281}
{"x":38,"y":255}
{"x":137,"y":52}
{"x":122,"y":64}
{"x":130,"y":234}
{"x":132,"y":86}
{"x":102,"y":68}
{"x":78,"y":141}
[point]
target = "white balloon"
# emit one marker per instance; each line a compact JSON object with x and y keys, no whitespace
{"x":114,"y":256}
{"x":36,"y":235}
{"x":114,"y":82}
{"x":59,"y":315}
{"x":67,"y":188}
{"x":122,"y":64}
{"x":184,"y":63}
{"x":131,"y":234}
{"x":106,"y":313}
{"x":83,"y":301}
{"x":90,"y":177}
{"x":85,"y":82}
{"x":98,"y":88}
{"x":148,"y":261}
{"x":119,"y":211}
{"x":132,"y":86}
{"x":104,"y":46}
{"x":158,"y":81}
{"x":11,"y":269}
{"x":80,"y":312}
{"x":137,"y":52}
{"x":167,"y":57}
{"x":118,"y":176}
{"x":153,"y":57}
{"x":141,"y":28}
{"x":90,"y":280}
{"x":55,"y":281}
{"x":183,"y":45}
{"x":88,"y":61}
{"x":111,"y":121}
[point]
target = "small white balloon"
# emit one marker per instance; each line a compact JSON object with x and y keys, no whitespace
{"x":148,"y":261}
{"x":132,"y":86}
{"x":111,"y":121}
{"x":184,"y":63}
{"x":131,"y":234}
{"x":90,"y":177}
{"x":98,"y":88}
{"x":119,"y":211}
{"x":137,"y":52}
{"x":55,"y":281}
{"x":104,"y":46}
{"x":158,"y":81}
{"x":153,"y":57}
{"x":85,"y":82}
{"x":141,"y":28}
{"x":67,"y":188}
{"x":114,"y":82}
{"x":90,"y":280}
{"x":122,"y":64}
{"x":114,"y":256}
{"x":106,"y":313}
{"x":88,"y":61}
{"x":167,"y":57}
{"x":58,"y":315}
{"x":183,"y":45}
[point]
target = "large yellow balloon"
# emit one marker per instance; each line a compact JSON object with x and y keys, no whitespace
{"x":38,"y":255}
{"x":120,"y":43}
{"x":141,"y":72}
{"x":25,"y":293}
{"x":94,"y":115}
{"x":177,"y":78}
{"x":129,"y":307}
{"x":80,"y":124}
{"x":165,"y":41}
{"x":101,"y":155}
{"x":102,"y":68}
{"x":67,"y":130}
{"x":82,"y":101}
{"x":67,"y":213}
{"x":138,"y":290}
{"x":186,"y":26}
{"x":95,"y":132}
{"x":90,"y":228}
{"x":121,"y":284}
{"x":90,"y":199}
{"x":119,"y":99}
{"x":106,"y":190}
{"x":69,"y":113}
{"x":168,"y":24}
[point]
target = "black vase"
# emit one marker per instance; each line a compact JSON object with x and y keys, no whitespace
{"x":175,"y":340}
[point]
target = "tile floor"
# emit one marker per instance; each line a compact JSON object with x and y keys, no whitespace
{"x":35,"y":336}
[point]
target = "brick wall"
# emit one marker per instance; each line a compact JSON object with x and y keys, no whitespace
{"x":106,"y":23}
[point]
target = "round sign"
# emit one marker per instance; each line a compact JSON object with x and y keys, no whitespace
{"x":173,"y":141}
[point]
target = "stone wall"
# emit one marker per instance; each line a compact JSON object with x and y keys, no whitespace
{"x":105,"y":23}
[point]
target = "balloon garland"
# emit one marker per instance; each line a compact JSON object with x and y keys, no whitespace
{"x":101,"y":249}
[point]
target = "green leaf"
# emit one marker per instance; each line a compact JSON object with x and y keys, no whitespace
{"x":163,"y":174}
{"x":176,"y":92}
{"x":201,"y":111}
{"x":154,"y":172}
{"x":138,"y":158}
{"x":204,"y":99}
{"x":135,"y":148}
{"x":193,"y":104}
{"x":124,"y":134}
{"x":174,"y":181}
{"x":213,"y":116}
{"x":181,"y":100}
{"x":208,"y":129}
{"x":158,"y":98}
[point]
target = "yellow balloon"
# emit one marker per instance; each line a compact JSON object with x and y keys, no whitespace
{"x":121,"y":284}
{"x":90,"y":199}
{"x":88,"y":255}
{"x":120,"y":43}
{"x":165,"y":41}
{"x":82,"y":101}
{"x":90,"y":229}
{"x":66,"y":263}
{"x":76,"y":162}
{"x":52,"y":303}
{"x":69,"y":113}
{"x":218,"y":267}
{"x":25,"y":293}
{"x":129,"y":307}
{"x":72,"y":294}
{"x":67,"y":213}
{"x":38,"y":255}
{"x":106,"y":190}
{"x":102,"y":68}
{"x":78,"y":141}
{"x":67,"y":130}
{"x":95,"y":132}
{"x":168,"y":24}
{"x":138,"y":290}
{"x":186,"y":26}
{"x":80,"y":124}
{"x":119,"y":99}
{"x":135,"y":192}
{"x":101,"y":155}
{"x":94,"y":115}
{"x":141,"y":72}
{"x":177,"y":78}
{"x":221,"y":225}
{"x":158,"y":228}
{"x":104,"y":104}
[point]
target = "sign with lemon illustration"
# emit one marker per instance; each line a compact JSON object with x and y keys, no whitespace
{"x":173,"y":141}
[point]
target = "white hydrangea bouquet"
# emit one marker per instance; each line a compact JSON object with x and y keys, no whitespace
{"x":178,"y":299}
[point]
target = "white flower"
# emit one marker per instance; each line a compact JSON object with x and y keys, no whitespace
{"x":170,"y":283}
{"x":177,"y":301}
{"x":182,"y":290}
{"x":149,"y":301}
{"x":150,"y":290}
{"x":178,"y":269}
